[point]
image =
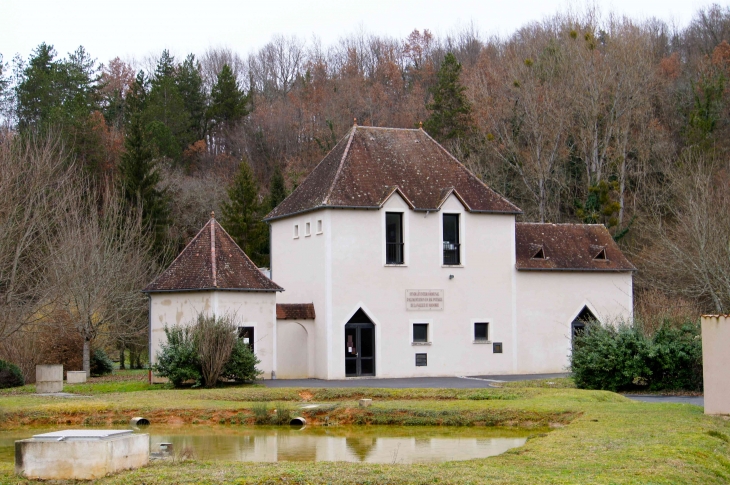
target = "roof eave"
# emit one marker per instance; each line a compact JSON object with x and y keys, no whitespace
{"x":189,"y":290}
{"x":590,"y":270}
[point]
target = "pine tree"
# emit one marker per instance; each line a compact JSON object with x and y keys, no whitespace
{"x":165,"y":112}
{"x":450,"y":110}
{"x":229,"y":104}
{"x":190,"y":84}
{"x":241,"y":216}
{"x":277,"y":189}
{"x":138,"y":174}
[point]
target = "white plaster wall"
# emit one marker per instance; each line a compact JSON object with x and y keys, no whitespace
{"x":300,"y":267}
{"x":481,"y":290}
{"x":549,"y":301}
{"x":295,"y":359}
{"x":249,"y":309}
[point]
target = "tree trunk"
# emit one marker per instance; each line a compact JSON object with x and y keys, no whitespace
{"x":87,"y":357}
{"x":122,"y":350}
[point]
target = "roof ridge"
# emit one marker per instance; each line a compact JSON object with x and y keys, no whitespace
{"x":212,"y":252}
{"x":339,"y":168}
{"x":468,"y":172}
{"x":247,"y":257}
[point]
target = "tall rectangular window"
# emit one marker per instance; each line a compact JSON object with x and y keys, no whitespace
{"x":481,"y":331}
{"x":420,"y":332}
{"x":307,"y":229}
{"x":246,"y":333}
{"x":452,"y":252}
{"x":393,"y":238}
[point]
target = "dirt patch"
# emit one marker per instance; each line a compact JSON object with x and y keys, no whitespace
{"x":306,"y":395}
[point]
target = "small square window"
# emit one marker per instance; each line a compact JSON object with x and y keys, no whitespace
{"x":420,"y":332}
{"x":319,"y":226}
{"x":497,"y":347}
{"x":421,"y":360}
{"x":307,"y":229}
{"x":481,"y":331}
{"x":296,"y":230}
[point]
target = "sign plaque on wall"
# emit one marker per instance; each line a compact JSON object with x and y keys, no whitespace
{"x":424,"y":300}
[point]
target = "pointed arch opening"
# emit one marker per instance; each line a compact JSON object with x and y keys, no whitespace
{"x":359,"y":345}
{"x":584,"y":318}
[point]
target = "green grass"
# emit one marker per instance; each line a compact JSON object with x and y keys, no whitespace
{"x":596,"y":437}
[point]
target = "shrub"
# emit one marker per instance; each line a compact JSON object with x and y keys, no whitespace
{"x":623,"y":358}
{"x":177,"y":359}
{"x":241,"y":367}
{"x":204,"y":352}
{"x":101,"y":364}
{"x":261,"y":413}
{"x":215,"y":339}
{"x":10,"y":375}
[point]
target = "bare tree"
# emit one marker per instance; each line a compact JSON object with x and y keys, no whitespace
{"x":99,"y":266}
{"x":36,"y":187}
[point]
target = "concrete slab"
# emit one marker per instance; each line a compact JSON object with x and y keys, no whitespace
{"x":80,"y":454}
{"x":75,"y":377}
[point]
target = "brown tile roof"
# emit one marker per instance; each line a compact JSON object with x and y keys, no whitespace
{"x":369,"y":164}
{"x":205,"y":266}
{"x":568,"y":247}
{"x":295,"y":311}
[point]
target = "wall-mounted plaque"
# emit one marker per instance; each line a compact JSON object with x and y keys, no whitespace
{"x":424,"y":300}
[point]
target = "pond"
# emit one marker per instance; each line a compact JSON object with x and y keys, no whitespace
{"x":368,"y":444}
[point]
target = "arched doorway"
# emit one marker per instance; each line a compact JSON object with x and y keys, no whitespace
{"x":359,"y":346}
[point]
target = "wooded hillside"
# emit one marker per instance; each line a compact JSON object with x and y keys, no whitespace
{"x":578,"y":118}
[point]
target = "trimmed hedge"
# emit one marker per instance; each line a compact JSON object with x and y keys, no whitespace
{"x":10,"y":375}
{"x":622,"y":358}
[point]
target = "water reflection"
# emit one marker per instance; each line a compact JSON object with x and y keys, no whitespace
{"x":372,"y":444}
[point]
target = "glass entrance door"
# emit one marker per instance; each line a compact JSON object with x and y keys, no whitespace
{"x":359,"y":346}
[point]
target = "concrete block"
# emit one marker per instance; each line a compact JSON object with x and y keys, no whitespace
{"x":75,"y":377}
{"x":364,"y":403}
{"x":716,"y":362}
{"x":80,"y":454}
{"x":48,"y":378}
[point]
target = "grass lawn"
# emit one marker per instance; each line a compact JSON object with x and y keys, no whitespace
{"x":596,"y":437}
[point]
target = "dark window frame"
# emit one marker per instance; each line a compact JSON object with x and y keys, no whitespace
{"x":477,"y":338}
{"x":420,"y":326}
{"x":242,"y":334}
{"x":394,"y":241}
{"x":451,"y":237}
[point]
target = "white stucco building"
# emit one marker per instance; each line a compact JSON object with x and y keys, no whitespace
{"x":397,"y":261}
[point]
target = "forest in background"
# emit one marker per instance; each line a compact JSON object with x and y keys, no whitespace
{"x":107,"y":169}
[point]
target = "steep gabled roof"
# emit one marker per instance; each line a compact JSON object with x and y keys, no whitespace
{"x":568,"y":247}
{"x":365,"y":168}
{"x":212,"y":261}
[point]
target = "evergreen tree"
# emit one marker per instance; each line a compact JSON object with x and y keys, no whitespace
{"x":165,"y":108}
{"x":450,"y":110}
{"x":190,"y":84}
{"x":277,"y":189}
{"x":37,"y":94}
{"x":138,"y":174}
{"x":229,"y":104}
{"x":241,"y":216}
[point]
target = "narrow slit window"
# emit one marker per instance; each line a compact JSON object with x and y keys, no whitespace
{"x":394,"y":238}
{"x":420,"y":332}
{"x":296,"y":230}
{"x":307,"y":229}
{"x":421,"y":360}
{"x":319,"y":226}
{"x":481,"y":331}
{"x":452,"y":246}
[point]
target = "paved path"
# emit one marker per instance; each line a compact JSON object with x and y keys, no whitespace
{"x":696,"y":400}
{"x":410,"y":382}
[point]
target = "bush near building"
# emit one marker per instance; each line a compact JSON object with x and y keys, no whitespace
{"x":205,"y":352}
{"x":623,"y":358}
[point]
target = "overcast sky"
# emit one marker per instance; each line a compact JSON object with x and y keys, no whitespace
{"x":134,"y":28}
